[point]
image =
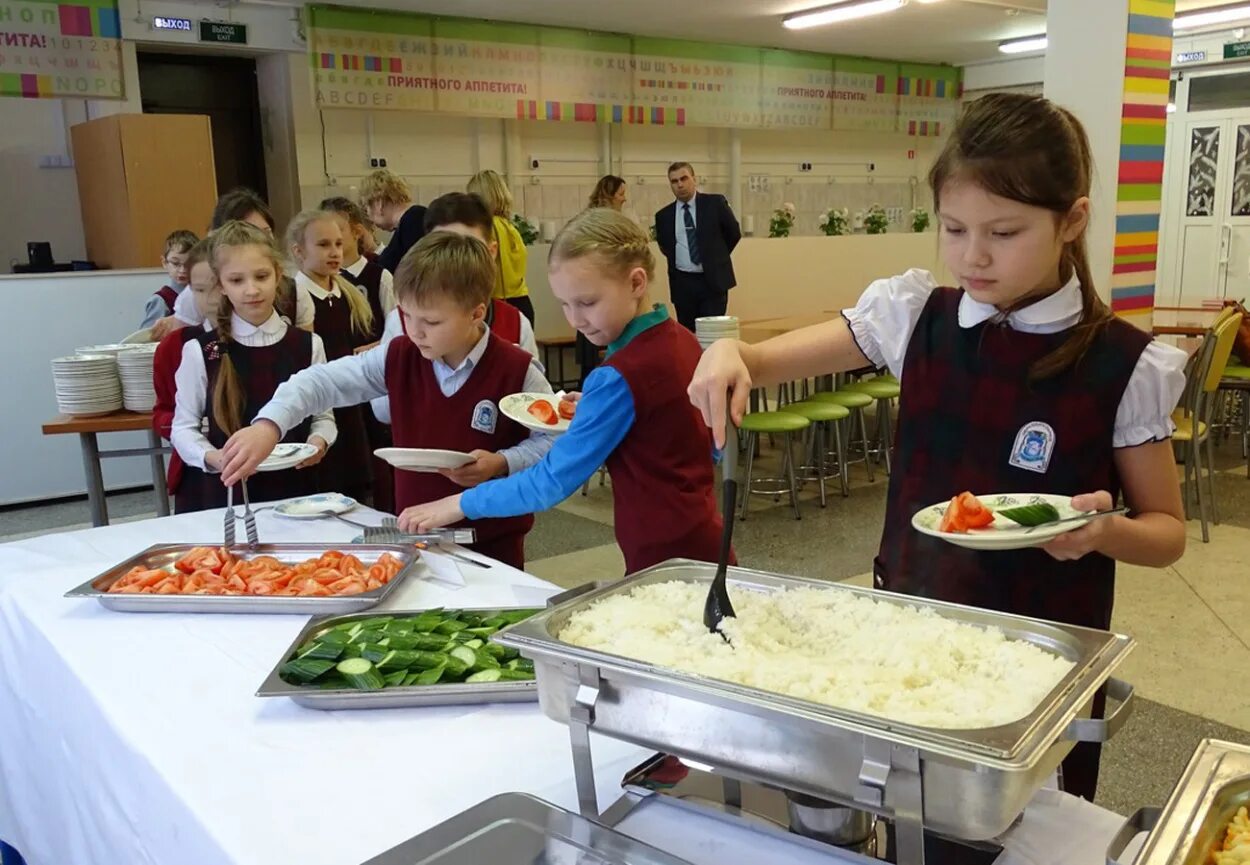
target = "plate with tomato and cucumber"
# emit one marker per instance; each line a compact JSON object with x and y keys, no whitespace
{"x":1000,"y":521}
{"x":544,"y":412}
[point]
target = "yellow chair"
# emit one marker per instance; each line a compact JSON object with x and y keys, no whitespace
{"x":1193,"y":419}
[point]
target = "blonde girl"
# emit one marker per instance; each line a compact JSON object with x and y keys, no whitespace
{"x":511,"y":256}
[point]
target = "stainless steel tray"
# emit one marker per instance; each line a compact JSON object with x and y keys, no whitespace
{"x":974,"y":782}
{"x":1210,"y":790}
{"x":516,"y":829}
{"x":163,"y":556}
{"x":451,"y":694}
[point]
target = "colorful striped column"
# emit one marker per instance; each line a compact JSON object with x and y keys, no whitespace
{"x":1147,"y":65}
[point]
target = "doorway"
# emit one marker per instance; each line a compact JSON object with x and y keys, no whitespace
{"x":224,"y":89}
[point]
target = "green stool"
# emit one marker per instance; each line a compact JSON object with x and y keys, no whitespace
{"x":772,"y":423}
{"x":884,"y":391}
{"x":1237,"y":371}
{"x":823,"y":414}
{"x":855,"y":403}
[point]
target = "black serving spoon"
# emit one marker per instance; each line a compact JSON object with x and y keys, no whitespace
{"x":718,"y":606}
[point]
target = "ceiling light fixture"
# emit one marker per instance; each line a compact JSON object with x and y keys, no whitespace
{"x":841,"y":12}
{"x":1210,"y":17}
{"x":1022,"y":46}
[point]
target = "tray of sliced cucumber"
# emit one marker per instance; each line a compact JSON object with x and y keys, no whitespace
{"x":432,"y":657}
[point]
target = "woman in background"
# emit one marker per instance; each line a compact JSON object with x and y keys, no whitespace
{"x":512,"y":256}
{"x":609,"y":192}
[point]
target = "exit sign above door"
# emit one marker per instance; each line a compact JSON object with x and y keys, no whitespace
{"x":223,"y":32}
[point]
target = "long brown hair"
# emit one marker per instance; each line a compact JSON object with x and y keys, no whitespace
{"x":1028,"y":149}
{"x":229,"y":398}
{"x":605,"y":190}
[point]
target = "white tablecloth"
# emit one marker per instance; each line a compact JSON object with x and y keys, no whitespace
{"x":137,"y":738}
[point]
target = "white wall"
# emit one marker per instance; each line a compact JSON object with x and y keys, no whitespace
{"x":86,"y":309}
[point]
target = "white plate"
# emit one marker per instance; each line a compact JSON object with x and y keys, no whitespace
{"x":423,"y":459}
{"x":286,"y":455}
{"x":138,"y":337}
{"x":516,"y":406}
{"x":1002,"y":534}
{"x":313,"y":507}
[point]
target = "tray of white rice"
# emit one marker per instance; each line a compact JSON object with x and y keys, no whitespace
{"x":820,"y":683}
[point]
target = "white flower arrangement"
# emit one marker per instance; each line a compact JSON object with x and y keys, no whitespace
{"x":834,"y":222}
{"x":919,"y":220}
{"x":875,"y":220}
{"x":782,"y":221}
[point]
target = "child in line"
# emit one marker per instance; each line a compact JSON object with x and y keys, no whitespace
{"x":444,"y":381}
{"x":202,"y":286}
{"x":245,"y":205}
{"x":634,"y":415}
{"x":226,"y":375}
{"x":510,"y":252}
{"x":161,"y":304}
{"x":387,"y":201}
{"x":344,"y":320}
{"x":373,"y":279}
{"x":1018,"y":380}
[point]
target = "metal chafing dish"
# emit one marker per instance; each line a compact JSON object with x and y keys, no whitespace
{"x":969,"y":784}
{"x":163,"y":556}
{"x":1185,"y":831}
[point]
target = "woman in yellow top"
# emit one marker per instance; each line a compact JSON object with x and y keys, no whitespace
{"x":510,"y":277}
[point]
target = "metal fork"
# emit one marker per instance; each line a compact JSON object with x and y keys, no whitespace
{"x":228,"y":524}
{"x":249,"y":518}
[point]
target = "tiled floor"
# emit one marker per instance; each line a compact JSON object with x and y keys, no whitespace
{"x":1191,"y":621}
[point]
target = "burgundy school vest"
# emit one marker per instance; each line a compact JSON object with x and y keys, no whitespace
{"x":965,"y":409}
{"x":662,"y":483}
{"x":167,"y":294}
{"x":260,"y":371}
{"x":469,"y":419}
{"x":503,"y":319}
{"x":165,"y":363}
{"x":347,"y":466}
{"x":370,"y":281}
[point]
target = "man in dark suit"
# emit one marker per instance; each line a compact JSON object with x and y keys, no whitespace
{"x":696,"y":233}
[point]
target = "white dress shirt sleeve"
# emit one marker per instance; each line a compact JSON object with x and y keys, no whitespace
{"x":394,"y":327}
{"x":347,"y":381}
{"x":305,"y":312}
{"x":527,"y":341}
{"x":323,"y":423}
{"x":386,"y":292}
{"x":886,"y":314}
{"x":1154,"y":389}
{"x":190,"y":407}
{"x":524,"y":454}
{"x":185,"y":309}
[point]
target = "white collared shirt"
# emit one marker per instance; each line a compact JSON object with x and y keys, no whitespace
{"x":191,"y":401}
{"x":361,"y":378}
{"x":886,"y":314}
{"x":386,"y":285}
{"x":681,"y":253}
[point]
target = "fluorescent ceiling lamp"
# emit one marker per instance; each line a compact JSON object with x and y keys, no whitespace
{"x":841,"y":12}
{"x":1021,"y":46}
{"x":1210,"y":17}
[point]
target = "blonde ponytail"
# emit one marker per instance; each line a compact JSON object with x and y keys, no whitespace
{"x":618,"y":241}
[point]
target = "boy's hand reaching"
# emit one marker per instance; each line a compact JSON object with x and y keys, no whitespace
{"x":485,"y":465}
{"x":247,"y":449}
{"x":320,"y":444}
{"x":431,"y":515}
{"x":164,"y":326}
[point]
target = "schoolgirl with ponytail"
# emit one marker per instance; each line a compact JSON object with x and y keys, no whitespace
{"x":227,"y":374}
{"x":1017,"y":379}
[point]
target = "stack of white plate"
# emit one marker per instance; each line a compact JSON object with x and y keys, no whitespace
{"x":136,"y":373}
{"x":87,"y":384}
{"x":111,"y":349}
{"x":713,"y":327}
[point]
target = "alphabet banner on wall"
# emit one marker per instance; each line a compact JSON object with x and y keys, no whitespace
{"x":50,"y":50}
{"x":928,"y":97}
{"x":397,"y":60}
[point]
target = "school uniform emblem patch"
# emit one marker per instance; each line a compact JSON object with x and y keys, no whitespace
{"x":485,"y":417}
{"x":1033,"y":446}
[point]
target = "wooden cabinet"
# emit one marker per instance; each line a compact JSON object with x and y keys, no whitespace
{"x":141,"y":176}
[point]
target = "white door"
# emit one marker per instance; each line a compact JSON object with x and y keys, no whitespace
{"x":1210,"y":224}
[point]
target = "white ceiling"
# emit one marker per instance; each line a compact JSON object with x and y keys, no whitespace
{"x":949,"y":31}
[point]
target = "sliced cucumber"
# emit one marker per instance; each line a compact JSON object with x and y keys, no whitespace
{"x":474,"y":644}
{"x":403,"y":642}
{"x":1031,"y":515}
{"x":494,"y":622}
{"x":481,"y":631}
{"x":324,"y":651}
{"x":396,"y":660}
{"x":523,"y":664}
{"x":464,"y":655}
{"x":506,"y":675}
{"x":495,"y":650}
{"x":361,"y":674}
{"x":428,"y":660}
{"x":426,"y":622}
{"x":489,"y":675}
{"x":430,"y":642}
{"x":449,"y":626}
{"x":432,"y":675}
{"x":395,"y":679}
{"x":483,"y":661}
{"x":332,"y":683}
{"x":410,"y":678}
{"x":353,"y":650}
{"x":374,"y":651}
{"x":337,"y":638}
{"x":514,"y":616}
{"x":455,"y":669}
{"x":508,"y":653}
{"x":301,"y":671}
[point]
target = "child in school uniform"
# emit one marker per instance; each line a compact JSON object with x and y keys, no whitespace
{"x":377,"y":283}
{"x":161,"y":304}
{"x":202,"y":286}
{"x":444,"y":381}
{"x":227,"y":374}
{"x":344,"y":320}
{"x":634,"y":415}
{"x":1018,"y":380}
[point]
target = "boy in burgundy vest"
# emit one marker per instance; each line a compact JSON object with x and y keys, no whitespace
{"x":444,"y":383}
{"x":161,"y":304}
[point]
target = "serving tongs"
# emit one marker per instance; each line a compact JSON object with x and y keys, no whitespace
{"x":249,"y":518}
{"x":718,"y":607}
{"x":389,"y":533}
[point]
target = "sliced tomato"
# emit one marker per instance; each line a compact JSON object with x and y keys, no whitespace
{"x":544,"y":411}
{"x":953,"y":519}
{"x":976,"y":514}
{"x":567,"y":408}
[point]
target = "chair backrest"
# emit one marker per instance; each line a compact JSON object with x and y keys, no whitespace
{"x":1196,"y":372}
{"x":1225,"y":332}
